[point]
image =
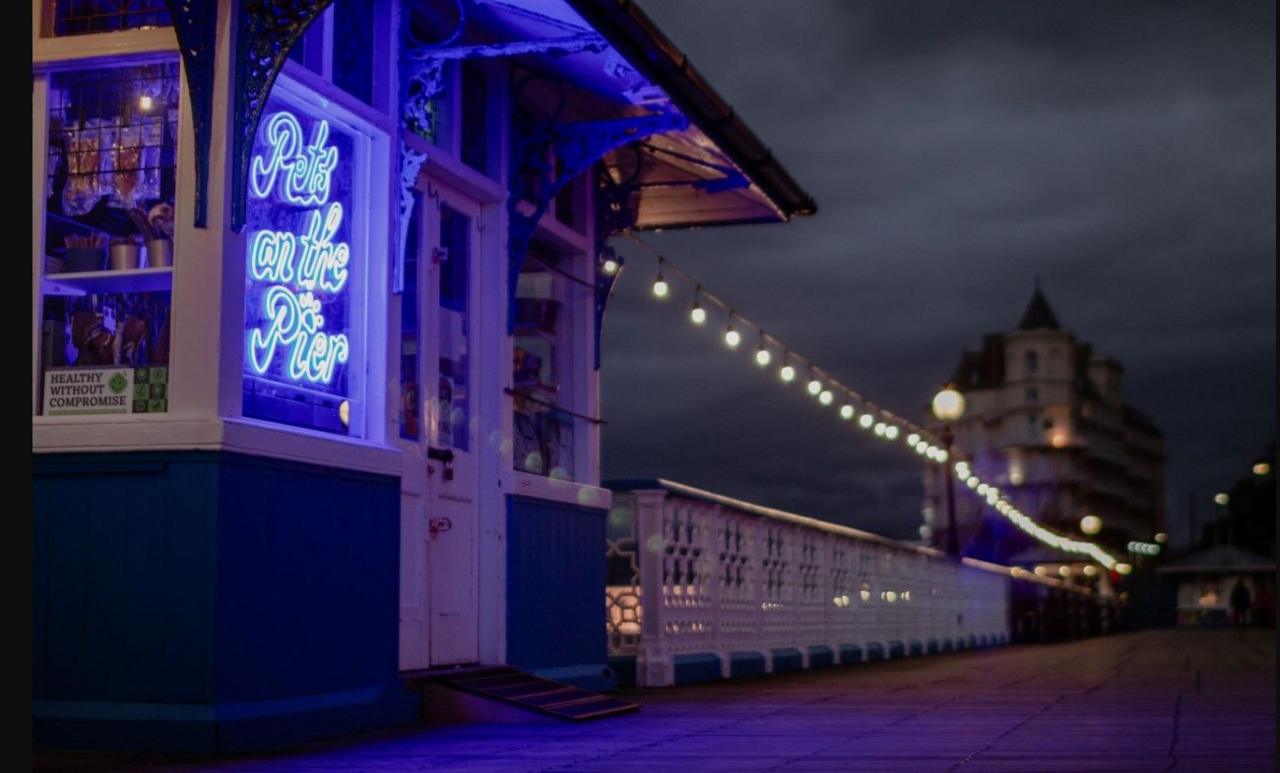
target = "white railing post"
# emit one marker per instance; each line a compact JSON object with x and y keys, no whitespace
{"x":653,"y":661}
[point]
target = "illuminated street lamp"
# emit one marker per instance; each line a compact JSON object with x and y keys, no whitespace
{"x":948,"y":405}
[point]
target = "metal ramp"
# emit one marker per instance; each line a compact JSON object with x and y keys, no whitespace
{"x":515,"y":687}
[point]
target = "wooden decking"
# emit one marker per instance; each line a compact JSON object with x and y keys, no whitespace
{"x":1153,"y":700}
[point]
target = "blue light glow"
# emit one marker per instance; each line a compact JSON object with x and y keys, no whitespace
{"x":298,"y":315}
{"x":306,"y":170}
{"x":296,"y":323}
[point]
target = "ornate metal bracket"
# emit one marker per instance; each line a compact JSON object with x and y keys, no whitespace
{"x":266,"y":31}
{"x":195,"y":23}
{"x":574,"y":147}
{"x":422,"y":81}
{"x":603,"y":290}
{"x":411,"y":162}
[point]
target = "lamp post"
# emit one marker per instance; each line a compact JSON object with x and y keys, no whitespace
{"x":948,"y":405}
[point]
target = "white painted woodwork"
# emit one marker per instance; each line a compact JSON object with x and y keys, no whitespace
{"x":832,"y":585}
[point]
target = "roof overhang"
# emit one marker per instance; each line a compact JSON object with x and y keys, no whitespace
{"x":713,"y":172}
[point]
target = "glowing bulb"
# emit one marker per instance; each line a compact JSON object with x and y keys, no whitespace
{"x":787,"y":373}
{"x":942,"y":455}
{"x":1090,"y":524}
{"x":913,"y":439}
{"x":879,"y":429}
{"x":1090,"y":570}
{"x":1162,"y":538}
{"x":698,"y":314}
{"x":922,"y":449}
{"x":732,"y":339}
{"x":983,"y":489}
{"x":826,"y":397}
{"x":891,"y":432}
{"x":660,"y":288}
{"x":948,"y":405}
{"x":1261,"y":468}
{"x":1042,"y":570}
{"x":610,"y":266}
{"x":344,"y":409}
{"x":1221,"y":498}
{"x":1064,"y":570}
{"x":1123,"y":568}
{"x":763,"y":357}
{"x":145,"y":103}
{"x":846,"y":412}
{"x":865,"y":421}
{"x":815,"y":386}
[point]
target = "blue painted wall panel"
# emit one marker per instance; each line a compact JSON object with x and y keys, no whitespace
{"x":555,"y":584}
{"x":198,"y":579}
{"x":304,"y":570}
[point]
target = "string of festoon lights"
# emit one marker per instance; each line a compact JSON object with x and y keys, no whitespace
{"x":773,"y":353}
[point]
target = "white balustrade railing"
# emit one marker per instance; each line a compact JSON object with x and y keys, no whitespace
{"x":692,"y":573}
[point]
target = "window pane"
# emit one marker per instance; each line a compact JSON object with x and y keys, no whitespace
{"x":79,"y":17}
{"x":303,"y":280}
{"x":544,"y":434}
{"x":455,"y":271}
{"x":109,"y":215}
{"x":475,"y":119}
{"x":353,"y":48}
{"x":410,"y":394}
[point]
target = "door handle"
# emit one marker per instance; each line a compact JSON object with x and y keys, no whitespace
{"x":445,"y":457}
{"x":440,"y":454}
{"x":437,"y":525}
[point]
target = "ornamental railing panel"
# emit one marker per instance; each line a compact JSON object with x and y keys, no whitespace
{"x":693,"y":574}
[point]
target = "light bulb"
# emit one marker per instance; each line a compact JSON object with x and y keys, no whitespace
{"x":787,"y":373}
{"x":942,"y":455}
{"x":145,"y":103}
{"x":815,"y":386}
{"x":846,"y":412}
{"x":763,"y":357}
{"x":660,"y":288}
{"x":913,"y":439}
{"x":697,"y":314}
{"x":865,"y":421}
{"x":610,"y":266}
{"x":732,"y":338}
{"x":879,"y":430}
{"x":891,"y":432}
{"x":826,"y":397}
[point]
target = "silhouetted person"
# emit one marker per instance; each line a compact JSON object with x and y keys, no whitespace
{"x":1239,"y":603}
{"x":1264,"y":606}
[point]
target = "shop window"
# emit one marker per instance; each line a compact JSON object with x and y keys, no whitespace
{"x":106,"y":275}
{"x":410,"y":394}
{"x":453,"y":406}
{"x":82,"y":17}
{"x":304,"y":278}
{"x":544,"y":430}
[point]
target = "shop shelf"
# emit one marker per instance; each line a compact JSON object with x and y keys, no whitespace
{"x":139,"y":280}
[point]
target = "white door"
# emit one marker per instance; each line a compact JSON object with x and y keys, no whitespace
{"x":439,"y":609}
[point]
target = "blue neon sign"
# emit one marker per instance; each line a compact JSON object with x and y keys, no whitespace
{"x":297,"y":309}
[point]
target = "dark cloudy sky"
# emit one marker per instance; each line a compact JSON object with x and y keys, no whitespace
{"x":1122,"y":152}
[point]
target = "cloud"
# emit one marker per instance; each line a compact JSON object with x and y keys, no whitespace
{"x":1123,"y":153}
